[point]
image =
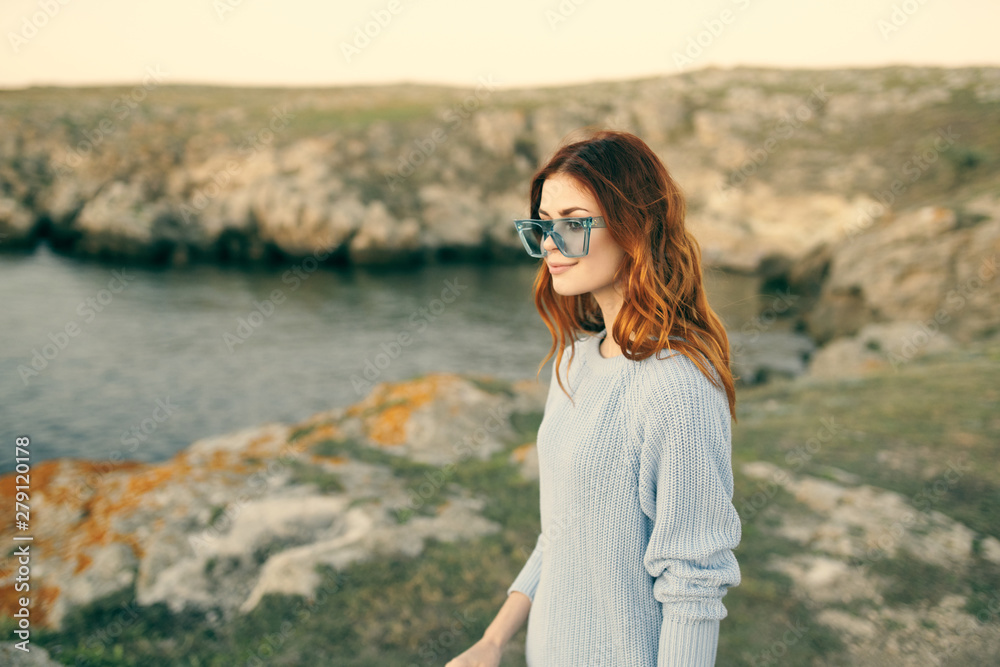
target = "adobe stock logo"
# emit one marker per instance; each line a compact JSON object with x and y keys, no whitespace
{"x":40,"y":19}
{"x":455,"y":116}
{"x":419,"y":321}
{"x":381,"y":18}
{"x":899,"y":17}
{"x":714,"y":28}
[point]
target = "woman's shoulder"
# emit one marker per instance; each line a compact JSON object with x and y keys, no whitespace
{"x":670,"y":371}
{"x":677,"y":395}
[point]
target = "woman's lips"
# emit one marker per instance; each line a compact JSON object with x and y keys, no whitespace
{"x":559,"y":268}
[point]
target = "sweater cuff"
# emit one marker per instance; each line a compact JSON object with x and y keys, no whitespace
{"x":691,"y":644}
{"x":527,"y":579}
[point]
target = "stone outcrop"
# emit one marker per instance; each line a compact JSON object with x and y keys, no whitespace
{"x":235,"y":517}
{"x":844,"y":529}
{"x":875,"y":348}
{"x":36,"y":657}
{"x":934,"y":267}
{"x":773,"y":162}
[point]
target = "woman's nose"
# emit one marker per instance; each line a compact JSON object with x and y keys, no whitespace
{"x":548,"y":244}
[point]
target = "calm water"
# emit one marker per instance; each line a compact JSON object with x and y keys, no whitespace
{"x":159,"y":358}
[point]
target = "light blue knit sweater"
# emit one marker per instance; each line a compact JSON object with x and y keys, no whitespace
{"x":637,"y":519}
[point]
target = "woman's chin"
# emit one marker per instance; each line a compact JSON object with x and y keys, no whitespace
{"x":564,"y":288}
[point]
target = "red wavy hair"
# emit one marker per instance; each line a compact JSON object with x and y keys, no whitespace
{"x":660,"y":274}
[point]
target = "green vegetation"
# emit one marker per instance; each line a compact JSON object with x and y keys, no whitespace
{"x":326,"y":482}
{"x":903,"y":431}
{"x":896,"y":430}
{"x":761,"y":606}
{"x":301,"y":432}
{"x":493,"y":385}
{"x":910,"y":580}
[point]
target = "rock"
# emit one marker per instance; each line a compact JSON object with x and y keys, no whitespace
{"x":526,"y":457}
{"x":741,"y":225}
{"x":758,"y":356}
{"x":847,"y":623}
{"x":827,"y":580}
{"x":382,"y":240}
{"x":453,"y":220}
{"x":922,"y":266}
{"x":497,"y":130}
{"x":16,"y":224}
{"x":876,"y":347}
{"x":806,"y":276}
{"x":121,"y":221}
{"x":62,"y":202}
{"x":842,"y":531}
{"x":422,"y":422}
{"x":109,"y":568}
{"x":235,"y":517}
{"x":209,"y":179}
{"x":36,"y":657}
{"x":866,"y":523}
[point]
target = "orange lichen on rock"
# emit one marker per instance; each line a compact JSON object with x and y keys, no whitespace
{"x":40,"y":478}
{"x":155,"y":476}
{"x":335,"y":460}
{"x":83,"y":561}
{"x":389,"y":426}
{"x":256,"y":449}
{"x":387,"y":409}
{"x":117,"y":498}
{"x":325,"y":431}
{"x":520,"y":453}
{"x":95,"y":530}
{"x":44,"y":599}
{"x":46,"y":478}
{"x":219,"y":461}
{"x":9,"y":598}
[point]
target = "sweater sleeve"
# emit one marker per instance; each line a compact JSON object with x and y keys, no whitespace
{"x":686,"y":489}
{"x":527,"y":580}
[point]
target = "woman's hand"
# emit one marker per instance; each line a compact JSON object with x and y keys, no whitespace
{"x":483,"y":653}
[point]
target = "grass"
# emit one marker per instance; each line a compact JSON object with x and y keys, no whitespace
{"x":934,"y":413}
{"x":326,"y":482}
{"x":301,"y":432}
{"x":761,"y":606}
{"x":910,"y":580}
{"x":493,"y":385}
{"x":393,"y":609}
{"x":411,"y":473}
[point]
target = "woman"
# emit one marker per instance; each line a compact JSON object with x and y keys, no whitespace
{"x":638,"y":525}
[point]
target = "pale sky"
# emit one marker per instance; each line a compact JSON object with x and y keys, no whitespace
{"x":517,"y":42}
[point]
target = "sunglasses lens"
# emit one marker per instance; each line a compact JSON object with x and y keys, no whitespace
{"x":573,"y":235}
{"x":531,"y":237}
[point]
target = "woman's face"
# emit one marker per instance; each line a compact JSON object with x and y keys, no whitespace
{"x":564,"y":197}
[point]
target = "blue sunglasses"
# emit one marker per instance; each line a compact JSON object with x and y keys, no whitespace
{"x":571,"y":235}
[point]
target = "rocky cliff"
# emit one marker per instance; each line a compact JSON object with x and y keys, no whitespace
{"x":774,"y":162}
{"x":913,"y":283}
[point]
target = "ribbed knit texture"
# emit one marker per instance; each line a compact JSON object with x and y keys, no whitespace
{"x":637,"y":519}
